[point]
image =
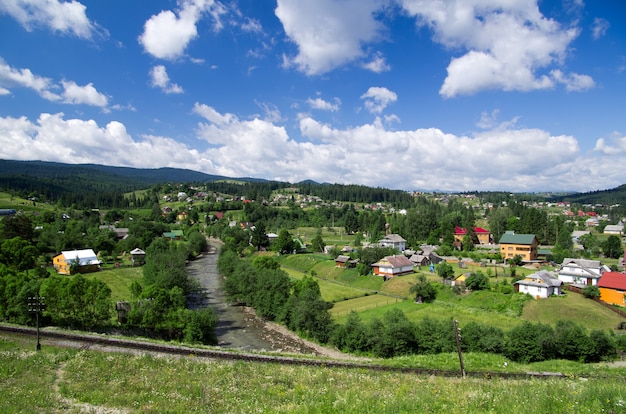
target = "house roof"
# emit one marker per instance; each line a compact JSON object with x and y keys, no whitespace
{"x":461,"y":231}
{"x":85,"y":257}
{"x":614,"y":228}
{"x":395,"y":238}
{"x":394,"y":261}
{"x":542,"y":278}
{"x":342,"y":259}
{"x":512,"y":238}
{"x":137,"y":251}
{"x":613,"y":280}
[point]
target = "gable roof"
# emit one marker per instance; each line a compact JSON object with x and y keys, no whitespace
{"x":462,"y":231}
{"x":85,"y":257}
{"x":394,"y":261}
{"x":542,"y":278}
{"x":136,"y":251}
{"x":511,"y":238}
{"x":394,"y":238}
{"x":613,"y":280}
{"x":342,"y":259}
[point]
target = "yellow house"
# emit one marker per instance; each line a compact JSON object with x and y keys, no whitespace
{"x":525,"y":245}
{"x":613,"y":288}
{"x":84,"y":261}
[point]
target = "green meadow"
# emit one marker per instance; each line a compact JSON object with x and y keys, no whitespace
{"x":57,"y":380}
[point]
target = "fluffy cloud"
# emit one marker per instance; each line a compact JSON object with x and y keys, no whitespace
{"x":431,"y":159}
{"x":68,"y":17}
{"x":507,"y":43}
{"x":72,"y":93}
{"x":160,"y":79}
{"x":328,"y":33}
{"x":167,"y":34}
{"x":86,"y":95}
{"x":319,"y":103}
{"x":378,"y":98}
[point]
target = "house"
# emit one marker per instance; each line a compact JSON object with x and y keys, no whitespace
{"x":344,"y":261}
{"x":613,"y":288}
{"x":581,"y":271}
{"x":525,"y":245}
{"x":419,"y":260}
{"x":393,"y":240}
{"x":539,"y":285}
{"x":120,"y":233}
{"x":137,"y":257}
{"x":482,"y":236}
{"x":617,"y":229}
{"x":81,"y":261}
{"x":395,"y":265}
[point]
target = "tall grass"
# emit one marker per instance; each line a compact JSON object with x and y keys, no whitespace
{"x":73,"y":381}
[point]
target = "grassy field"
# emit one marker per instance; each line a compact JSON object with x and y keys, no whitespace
{"x":484,"y":307}
{"x":119,"y":280}
{"x":76,"y":381}
{"x":21,"y":204}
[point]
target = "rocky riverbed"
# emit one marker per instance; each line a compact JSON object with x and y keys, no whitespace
{"x":238,"y":327}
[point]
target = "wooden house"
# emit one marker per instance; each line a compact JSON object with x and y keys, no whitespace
{"x":395,"y":265}
{"x":613,"y":288}
{"x":76,"y":261}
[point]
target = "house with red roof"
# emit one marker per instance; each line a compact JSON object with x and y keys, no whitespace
{"x":612,"y":288}
{"x":482,"y":236}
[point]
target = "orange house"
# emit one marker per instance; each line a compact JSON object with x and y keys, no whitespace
{"x":525,"y":245}
{"x":612,"y":288}
{"x":80,"y":261}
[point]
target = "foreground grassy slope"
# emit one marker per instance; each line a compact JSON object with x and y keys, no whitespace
{"x":72,"y":381}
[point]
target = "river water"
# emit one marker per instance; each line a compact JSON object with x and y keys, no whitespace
{"x":237,"y":326}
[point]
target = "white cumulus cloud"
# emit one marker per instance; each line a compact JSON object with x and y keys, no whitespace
{"x":160,"y":79}
{"x":66,"y":17}
{"x":328,"y":33}
{"x":167,"y":34}
{"x":378,"y":98}
{"x":506,"y":43}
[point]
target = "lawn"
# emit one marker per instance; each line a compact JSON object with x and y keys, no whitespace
{"x":571,"y":306}
{"x":119,"y":280}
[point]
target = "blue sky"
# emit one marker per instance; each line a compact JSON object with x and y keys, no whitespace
{"x":455,"y":95}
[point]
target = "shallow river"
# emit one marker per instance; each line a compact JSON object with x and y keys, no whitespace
{"x":237,"y":327}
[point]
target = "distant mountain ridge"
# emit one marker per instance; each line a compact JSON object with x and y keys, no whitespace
{"x":47,"y":177}
{"x":46,"y":169}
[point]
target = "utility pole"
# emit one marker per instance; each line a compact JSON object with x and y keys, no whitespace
{"x":36,"y":304}
{"x":457,"y":334}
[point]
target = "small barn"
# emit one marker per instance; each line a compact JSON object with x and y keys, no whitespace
{"x":137,"y":257}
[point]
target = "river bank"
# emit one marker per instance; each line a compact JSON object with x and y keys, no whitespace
{"x":238,"y":326}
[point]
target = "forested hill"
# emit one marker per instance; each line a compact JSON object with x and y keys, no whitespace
{"x":141,"y":177}
{"x":90,"y":184}
{"x":605,"y":197}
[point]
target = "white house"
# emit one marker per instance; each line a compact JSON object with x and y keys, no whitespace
{"x":617,"y":229}
{"x":393,"y":240}
{"x":395,"y":265}
{"x":539,"y":285}
{"x":581,"y":271}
